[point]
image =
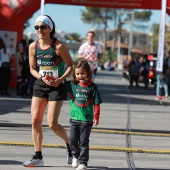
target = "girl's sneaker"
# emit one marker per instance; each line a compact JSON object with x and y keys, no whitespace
{"x":34,"y":162}
{"x":81,"y":167}
{"x":75,"y":162}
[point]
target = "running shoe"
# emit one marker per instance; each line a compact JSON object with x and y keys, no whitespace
{"x":34,"y":162}
{"x":81,"y":167}
{"x":75,"y":162}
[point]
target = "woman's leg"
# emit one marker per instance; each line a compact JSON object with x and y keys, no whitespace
{"x":136,"y":79}
{"x":131,"y":80}
{"x":37,"y":112}
{"x":54,"y":108}
{"x":18,"y":86}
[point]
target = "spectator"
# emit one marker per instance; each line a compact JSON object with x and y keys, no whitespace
{"x":5,"y":68}
{"x":134,"y":74}
{"x":31,"y":77}
{"x":126,"y":64}
{"x":22,"y":67}
{"x":145,"y":71}
{"x":162,"y":80}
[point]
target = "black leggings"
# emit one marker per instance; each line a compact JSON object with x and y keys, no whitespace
{"x":5,"y":75}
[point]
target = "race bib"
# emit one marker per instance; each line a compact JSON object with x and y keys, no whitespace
{"x":49,"y":70}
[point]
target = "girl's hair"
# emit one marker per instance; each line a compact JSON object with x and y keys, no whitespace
{"x":2,"y":45}
{"x":85,"y":66}
{"x":52,"y":33}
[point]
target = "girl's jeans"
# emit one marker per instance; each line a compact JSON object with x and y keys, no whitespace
{"x":79,"y":141}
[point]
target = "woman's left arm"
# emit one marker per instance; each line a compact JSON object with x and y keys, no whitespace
{"x":65,"y":55}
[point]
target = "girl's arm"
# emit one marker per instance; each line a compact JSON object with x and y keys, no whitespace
{"x":96,"y":114}
{"x":62,"y":51}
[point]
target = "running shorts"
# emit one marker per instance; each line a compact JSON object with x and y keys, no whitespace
{"x":42,"y":90}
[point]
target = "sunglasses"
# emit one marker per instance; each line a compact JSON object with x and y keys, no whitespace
{"x":42,"y":27}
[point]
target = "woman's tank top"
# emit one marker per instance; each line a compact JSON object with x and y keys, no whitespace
{"x":48,"y":57}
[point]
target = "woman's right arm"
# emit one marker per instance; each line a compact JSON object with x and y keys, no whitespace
{"x":32,"y":61}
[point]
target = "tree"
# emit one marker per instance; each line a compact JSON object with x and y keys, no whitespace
{"x":75,"y":37}
{"x":26,"y":24}
{"x":155,"y":36}
{"x":134,"y":18}
{"x":99,"y":17}
{"x":140,"y":16}
{"x":102,"y":16}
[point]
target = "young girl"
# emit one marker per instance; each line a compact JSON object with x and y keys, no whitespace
{"x":85,"y":103}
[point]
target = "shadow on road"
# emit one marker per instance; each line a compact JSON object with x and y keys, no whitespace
{"x":12,"y":104}
{"x":119,"y":94}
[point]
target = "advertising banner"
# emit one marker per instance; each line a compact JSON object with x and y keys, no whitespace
{"x":131,"y":4}
{"x":159,"y":66}
{"x":10,"y":40}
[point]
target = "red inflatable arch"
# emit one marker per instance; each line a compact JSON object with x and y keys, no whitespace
{"x":13,"y":13}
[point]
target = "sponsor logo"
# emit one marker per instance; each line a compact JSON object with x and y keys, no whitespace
{"x":45,"y":63}
{"x":81,"y":90}
{"x":81,"y":96}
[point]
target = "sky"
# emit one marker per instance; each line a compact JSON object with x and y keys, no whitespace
{"x":67,"y":18}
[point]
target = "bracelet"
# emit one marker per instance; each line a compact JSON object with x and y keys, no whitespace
{"x":40,"y":78}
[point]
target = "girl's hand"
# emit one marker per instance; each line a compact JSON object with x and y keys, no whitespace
{"x":95,"y":122}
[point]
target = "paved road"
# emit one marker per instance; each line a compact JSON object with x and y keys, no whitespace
{"x":123,"y":109}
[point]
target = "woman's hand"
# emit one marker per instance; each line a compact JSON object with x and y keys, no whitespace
{"x":46,"y":79}
{"x":52,"y":81}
